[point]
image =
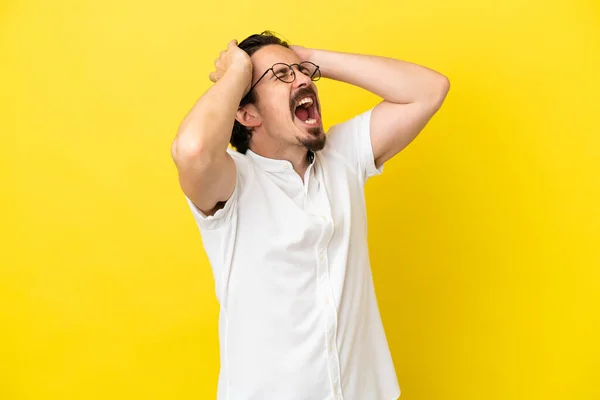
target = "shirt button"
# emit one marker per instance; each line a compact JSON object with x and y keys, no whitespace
{"x":324,"y":218}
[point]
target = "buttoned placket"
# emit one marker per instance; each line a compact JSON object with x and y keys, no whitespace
{"x":321,"y":211}
{"x":328,"y":306}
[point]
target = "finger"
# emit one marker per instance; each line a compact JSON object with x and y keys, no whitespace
{"x":212,"y":76}
{"x":232,"y":43}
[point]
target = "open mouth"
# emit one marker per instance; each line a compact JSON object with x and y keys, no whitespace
{"x":307,"y":112}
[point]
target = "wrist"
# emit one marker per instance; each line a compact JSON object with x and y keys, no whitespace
{"x":242,"y":76}
{"x":322,"y":58}
{"x":242,"y":70}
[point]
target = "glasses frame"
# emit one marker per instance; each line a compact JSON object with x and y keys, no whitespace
{"x":290,"y":66}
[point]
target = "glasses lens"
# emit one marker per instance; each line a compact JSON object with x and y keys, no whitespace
{"x":284,"y":73}
{"x":311,"y":70}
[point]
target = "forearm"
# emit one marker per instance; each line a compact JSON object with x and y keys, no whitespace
{"x":207,"y":127}
{"x":394,"y":80}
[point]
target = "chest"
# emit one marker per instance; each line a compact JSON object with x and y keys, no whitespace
{"x":284,"y":215}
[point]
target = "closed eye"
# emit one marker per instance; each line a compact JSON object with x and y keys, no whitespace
{"x":281,"y":72}
{"x":304,"y":70}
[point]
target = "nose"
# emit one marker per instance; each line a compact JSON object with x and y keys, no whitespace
{"x":301,"y":80}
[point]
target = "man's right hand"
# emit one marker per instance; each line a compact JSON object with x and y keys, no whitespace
{"x":233,"y":58}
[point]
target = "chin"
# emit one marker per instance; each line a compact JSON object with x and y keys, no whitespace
{"x":314,"y":139}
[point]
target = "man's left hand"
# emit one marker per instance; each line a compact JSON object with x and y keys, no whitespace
{"x":303,"y":53}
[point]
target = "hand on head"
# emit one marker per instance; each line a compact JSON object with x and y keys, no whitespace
{"x":233,"y":58}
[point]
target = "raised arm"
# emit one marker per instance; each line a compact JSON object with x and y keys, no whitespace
{"x":411,"y":94}
{"x":206,"y":172}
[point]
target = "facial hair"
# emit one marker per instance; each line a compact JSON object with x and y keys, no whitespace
{"x":316,"y":141}
{"x":317,"y":138}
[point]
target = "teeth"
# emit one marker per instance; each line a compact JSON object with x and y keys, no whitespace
{"x":305,"y":100}
{"x":310,"y":121}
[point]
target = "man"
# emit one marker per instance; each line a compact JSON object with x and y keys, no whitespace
{"x":283,"y":217}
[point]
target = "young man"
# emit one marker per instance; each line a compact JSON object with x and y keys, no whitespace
{"x":283,"y":217}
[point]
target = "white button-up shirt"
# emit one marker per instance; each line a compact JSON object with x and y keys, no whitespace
{"x":299,"y":317}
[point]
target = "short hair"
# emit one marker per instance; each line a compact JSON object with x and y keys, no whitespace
{"x":240,"y":135}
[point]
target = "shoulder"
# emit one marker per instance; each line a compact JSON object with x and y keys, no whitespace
{"x":351,"y":141}
{"x":360,"y":121}
{"x":243,"y":165}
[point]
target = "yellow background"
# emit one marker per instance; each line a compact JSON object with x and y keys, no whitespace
{"x":484,"y":233}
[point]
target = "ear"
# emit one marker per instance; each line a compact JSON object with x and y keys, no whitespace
{"x":248,"y":116}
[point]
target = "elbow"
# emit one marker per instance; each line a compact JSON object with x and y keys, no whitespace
{"x":187,"y":150}
{"x":444,"y":86}
{"x":440,"y":91}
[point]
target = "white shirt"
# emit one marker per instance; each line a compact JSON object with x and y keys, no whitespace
{"x":299,"y":319}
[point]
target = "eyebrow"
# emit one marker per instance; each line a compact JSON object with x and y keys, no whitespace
{"x":280,"y":68}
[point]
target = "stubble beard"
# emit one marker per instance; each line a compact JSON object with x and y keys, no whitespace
{"x":316,"y":140}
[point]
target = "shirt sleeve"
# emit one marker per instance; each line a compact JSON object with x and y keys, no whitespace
{"x":224,"y":215}
{"x":352,"y":141}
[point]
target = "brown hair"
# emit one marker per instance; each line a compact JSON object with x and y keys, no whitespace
{"x":240,"y":136}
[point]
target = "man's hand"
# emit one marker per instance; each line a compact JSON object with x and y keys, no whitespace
{"x":233,"y":58}
{"x":303,"y":53}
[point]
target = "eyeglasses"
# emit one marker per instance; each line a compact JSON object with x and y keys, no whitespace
{"x":285,"y":72}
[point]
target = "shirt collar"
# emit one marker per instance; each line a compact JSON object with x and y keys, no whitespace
{"x":271,"y":164}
